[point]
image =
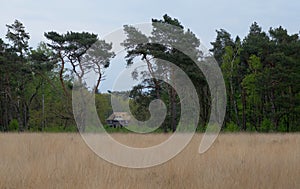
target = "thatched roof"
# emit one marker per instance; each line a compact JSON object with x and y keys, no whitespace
{"x":119,"y":116}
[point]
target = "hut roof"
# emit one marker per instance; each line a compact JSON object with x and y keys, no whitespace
{"x":119,"y":116}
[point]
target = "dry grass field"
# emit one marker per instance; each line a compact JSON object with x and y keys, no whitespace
{"x":234,"y":161}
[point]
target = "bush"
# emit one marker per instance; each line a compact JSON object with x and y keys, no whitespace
{"x":13,"y":125}
{"x":231,"y":127}
{"x":201,"y":129}
{"x":250,"y":128}
{"x":266,"y":125}
{"x":282,"y":128}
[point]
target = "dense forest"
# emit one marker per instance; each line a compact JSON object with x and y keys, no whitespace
{"x":261,"y":72}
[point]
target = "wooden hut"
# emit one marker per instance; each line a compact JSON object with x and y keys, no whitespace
{"x":118,"y":119}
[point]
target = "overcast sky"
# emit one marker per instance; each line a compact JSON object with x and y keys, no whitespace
{"x":102,"y":17}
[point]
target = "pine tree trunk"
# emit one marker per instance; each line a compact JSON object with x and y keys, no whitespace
{"x":235,"y":106}
{"x":273,"y":110}
{"x":19,"y":117}
{"x":173,"y":100}
{"x":244,"y":110}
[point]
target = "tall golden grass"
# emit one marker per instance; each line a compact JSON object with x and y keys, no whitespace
{"x":234,"y":161}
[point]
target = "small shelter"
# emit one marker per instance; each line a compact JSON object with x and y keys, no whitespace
{"x":118,"y":119}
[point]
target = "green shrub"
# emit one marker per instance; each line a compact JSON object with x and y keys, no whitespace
{"x":266,"y":125}
{"x":13,"y":125}
{"x":231,"y":127}
{"x":282,"y":127}
{"x":250,"y":128}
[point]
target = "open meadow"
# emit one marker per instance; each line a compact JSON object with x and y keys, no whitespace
{"x":31,"y":160}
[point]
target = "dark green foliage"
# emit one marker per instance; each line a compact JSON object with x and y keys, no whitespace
{"x":232,"y":127}
{"x":223,"y":40}
{"x":266,"y":85}
{"x":13,"y":125}
{"x":168,"y":34}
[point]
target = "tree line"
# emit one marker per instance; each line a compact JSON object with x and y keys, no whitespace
{"x":261,"y":73}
